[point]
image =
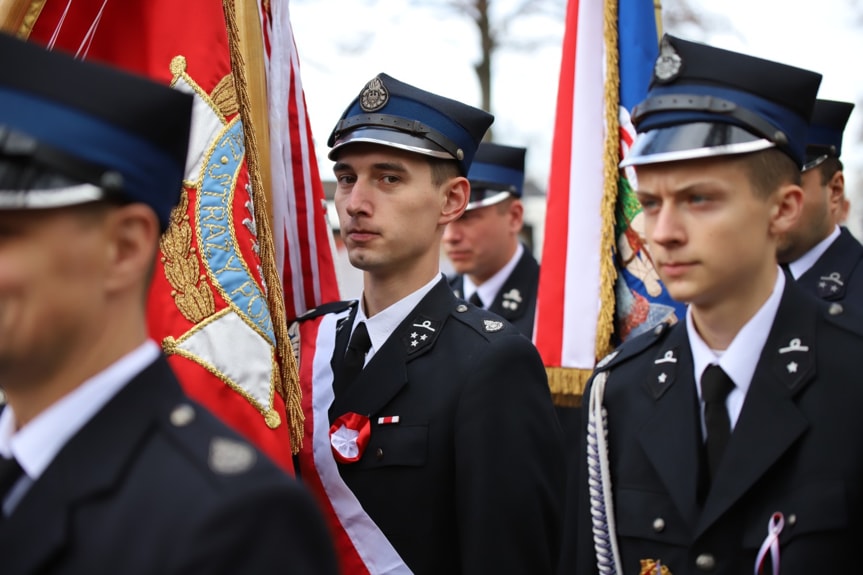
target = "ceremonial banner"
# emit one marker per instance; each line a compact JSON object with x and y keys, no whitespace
{"x":210,"y":307}
{"x":585,"y":306}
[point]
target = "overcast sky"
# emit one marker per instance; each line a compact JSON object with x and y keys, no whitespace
{"x":344,"y":43}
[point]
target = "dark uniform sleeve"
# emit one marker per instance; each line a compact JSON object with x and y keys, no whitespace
{"x":271,"y":529}
{"x":509,"y":464}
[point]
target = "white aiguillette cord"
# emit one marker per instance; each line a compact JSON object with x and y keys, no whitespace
{"x":599,"y":481}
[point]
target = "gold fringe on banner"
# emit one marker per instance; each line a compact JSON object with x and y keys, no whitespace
{"x":247,"y":64}
{"x":567,"y":385}
{"x":611,"y":176}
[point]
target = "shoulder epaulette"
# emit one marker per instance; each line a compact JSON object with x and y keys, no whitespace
{"x":633,"y":347}
{"x":211,"y":448}
{"x":330,"y":307}
{"x":483,"y":321}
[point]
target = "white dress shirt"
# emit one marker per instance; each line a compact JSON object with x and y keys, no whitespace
{"x":489,"y":288}
{"x":741,"y":357}
{"x":36,"y":444}
{"x":802,"y":264}
{"x":385,"y":322}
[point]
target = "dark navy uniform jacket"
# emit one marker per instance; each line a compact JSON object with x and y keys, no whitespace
{"x":838,"y":273}
{"x":516,"y":300}
{"x":136,"y":493}
{"x":471,"y":479}
{"x":797,"y":449}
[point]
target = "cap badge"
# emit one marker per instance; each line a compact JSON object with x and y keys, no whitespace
{"x":668,"y":64}
{"x":349,"y":436}
{"x":374,"y":96}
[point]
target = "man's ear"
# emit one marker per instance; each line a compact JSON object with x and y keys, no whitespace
{"x":516,"y":216}
{"x":133,"y":231}
{"x":786,"y":210}
{"x":836,"y":192}
{"x":455,"y":199}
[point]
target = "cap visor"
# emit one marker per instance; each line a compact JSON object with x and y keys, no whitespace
{"x":392,"y":139}
{"x":487,"y":200}
{"x":691,"y":141}
{"x":51,"y":198}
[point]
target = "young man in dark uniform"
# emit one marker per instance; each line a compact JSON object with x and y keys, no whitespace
{"x":731,"y":442}
{"x":431,"y":436}
{"x":821,"y":256}
{"x":496,"y":271}
{"x":105,"y":465}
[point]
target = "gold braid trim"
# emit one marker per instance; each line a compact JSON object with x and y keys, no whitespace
{"x":567,"y":385}
{"x":290,"y":382}
{"x":611,"y":158}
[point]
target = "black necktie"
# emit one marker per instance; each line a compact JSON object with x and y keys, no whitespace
{"x":715,"y":387}
{"x":10,"y":472}
{"x":355,"y":356}
{"x":474,"y":299}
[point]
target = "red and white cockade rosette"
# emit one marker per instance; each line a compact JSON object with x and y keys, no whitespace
{"x":349,"y":436}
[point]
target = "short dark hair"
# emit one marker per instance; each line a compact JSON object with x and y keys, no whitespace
{"x":770,"y":169}
{"x":828,"y":168}
{"x":443,"y":170}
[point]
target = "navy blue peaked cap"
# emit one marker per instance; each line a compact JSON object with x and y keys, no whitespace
{"x":704,"y":101}
{"x":497,"y":172}
{"x":826,"y":127}
{"x":103,"y":133}
{"x":392,"y":113}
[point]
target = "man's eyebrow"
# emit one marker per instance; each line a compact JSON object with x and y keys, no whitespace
{"x":380,"y":166}
{"x":390,"y":167}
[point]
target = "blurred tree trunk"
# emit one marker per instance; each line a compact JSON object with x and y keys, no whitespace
{"x":494,"y":32}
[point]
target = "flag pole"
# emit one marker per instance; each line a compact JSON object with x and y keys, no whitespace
{"x":251,"y":45}
{"x":18,"y":16}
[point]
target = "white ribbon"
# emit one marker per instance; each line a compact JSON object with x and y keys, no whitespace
{"x":771,"y":543}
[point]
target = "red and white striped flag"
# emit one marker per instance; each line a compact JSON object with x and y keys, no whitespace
{"x":574,"y":319}
{"x":588,"y":299}
{"x":303,"y":240}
